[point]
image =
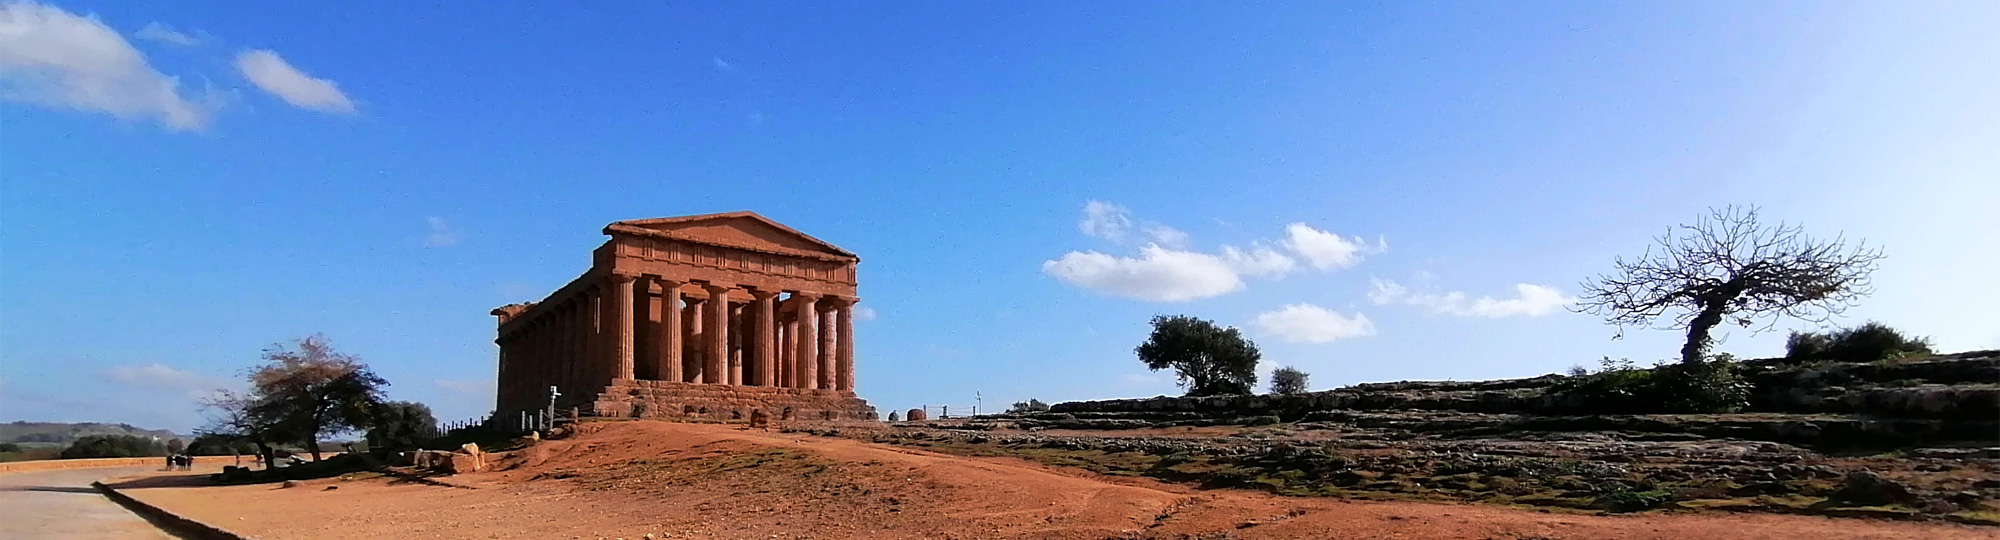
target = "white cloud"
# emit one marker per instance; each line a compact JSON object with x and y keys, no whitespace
{"x":441,"y":233}
{"x":722,"y":64}
{"x":158,"y":376}
{"x":1158,"y":274}
{"x":271,"y":73}
{"x":160,"y":33}
{"x":864,"y":313}
{"x":1167,"y":236}
{"x":53,"y":58}
{"x":1167,"y":271}
{"x":1530,"y":300}
{"x":1307,"y":323}
{"x":1386,"y":292}
{"x":1258,"y":261}
{"x":1105,"y":220}
{"x":1325,"y":250}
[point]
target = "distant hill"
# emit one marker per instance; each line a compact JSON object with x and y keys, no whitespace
{"x":63,"y":433}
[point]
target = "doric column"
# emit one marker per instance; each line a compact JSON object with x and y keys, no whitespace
{"x":667,"y":347}
{"x":692,"y":346}
{"x":620,"y":323}
{"x":738,"y":346}
{"x":579,"y":343}
{"x":716,"y":368}
{"x":539,"y":383}
{"x":806,"y":359}
{"x":500,"y":399}
{"x":844,"y":348}
{"x":566,"y":359}
{"x":766,"y":343}
{"x":592,"y":341}
{"x":785,"y":348}
{"x":826,"y":345}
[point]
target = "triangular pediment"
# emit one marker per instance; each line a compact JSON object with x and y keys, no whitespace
{"x":736,"y":229}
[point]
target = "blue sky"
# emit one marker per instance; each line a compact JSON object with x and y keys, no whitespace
{"x":182,"y":183}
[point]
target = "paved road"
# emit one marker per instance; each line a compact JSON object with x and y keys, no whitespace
{"x":61,"y":504}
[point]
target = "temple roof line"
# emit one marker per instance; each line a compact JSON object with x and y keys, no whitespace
{"x":671,"y":228}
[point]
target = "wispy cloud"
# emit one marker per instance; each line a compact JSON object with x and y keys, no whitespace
{"x":1307,"y":323}
{"x":273,"y":74}
{"x":722,"y":64}
{"x":163,"y":34}
{"x":864,"y":313}
{"x":1530,"y":300}
{"x":54,"y":58}
{"x":441,"y":233}
{"x":1112,"y":222}
{"x":157,"y":376}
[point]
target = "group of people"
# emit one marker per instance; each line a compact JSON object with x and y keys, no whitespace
{"x":179,"y":462}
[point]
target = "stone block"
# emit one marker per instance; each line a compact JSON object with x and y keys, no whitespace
{"x":457,"y":463}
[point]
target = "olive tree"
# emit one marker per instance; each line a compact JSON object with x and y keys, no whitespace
{"x":310,"y":391}
{"x":1728,"y":265}
{"x":1288,"y":380}
{"x":1209,"y":359}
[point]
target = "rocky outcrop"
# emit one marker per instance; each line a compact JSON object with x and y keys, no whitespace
{"x":1943,"y":399}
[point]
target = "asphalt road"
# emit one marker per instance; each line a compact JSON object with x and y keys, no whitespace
{"x":61,"y":504}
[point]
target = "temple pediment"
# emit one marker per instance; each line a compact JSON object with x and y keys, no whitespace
{"x":745,"y":230}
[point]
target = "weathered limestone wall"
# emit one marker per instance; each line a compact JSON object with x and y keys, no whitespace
{"x":663,"y":399}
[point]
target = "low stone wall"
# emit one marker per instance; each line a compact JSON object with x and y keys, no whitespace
{"x":180,"y":526}
{"x":58,"y":464}
{"x":663,"y":399}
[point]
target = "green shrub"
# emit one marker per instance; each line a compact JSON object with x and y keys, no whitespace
{"x":1712,"y":386}
{"x":1028,"y":407}
{"x":103,"y":446}
{"x":1634,"y":501}
{"x":1869,"y":342}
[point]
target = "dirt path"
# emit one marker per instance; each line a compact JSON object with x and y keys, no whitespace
{"x":61,"y":504}
{"x":706,"y":481}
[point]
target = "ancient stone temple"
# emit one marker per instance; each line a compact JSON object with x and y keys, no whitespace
{"x":712,"y":316}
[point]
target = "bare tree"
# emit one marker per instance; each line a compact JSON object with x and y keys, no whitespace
{"x":234,"y":417}
{"x":1728,"y":265}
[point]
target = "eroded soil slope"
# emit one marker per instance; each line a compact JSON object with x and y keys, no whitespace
{"x":630,"y":479}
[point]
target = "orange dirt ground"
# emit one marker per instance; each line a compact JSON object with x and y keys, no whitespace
{"x":634,"y":479}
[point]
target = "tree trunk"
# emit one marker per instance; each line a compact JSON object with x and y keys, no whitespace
{"x":312,"y":443}
{"x":270,"y":454}
{"x":1697,"y":341}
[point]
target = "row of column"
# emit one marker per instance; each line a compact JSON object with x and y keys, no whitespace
{"x":550,"y":351}
{"x":805,"y":341}
{"x":618,"y":330}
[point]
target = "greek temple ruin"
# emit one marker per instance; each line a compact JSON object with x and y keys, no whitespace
{"x":711,"y":316}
